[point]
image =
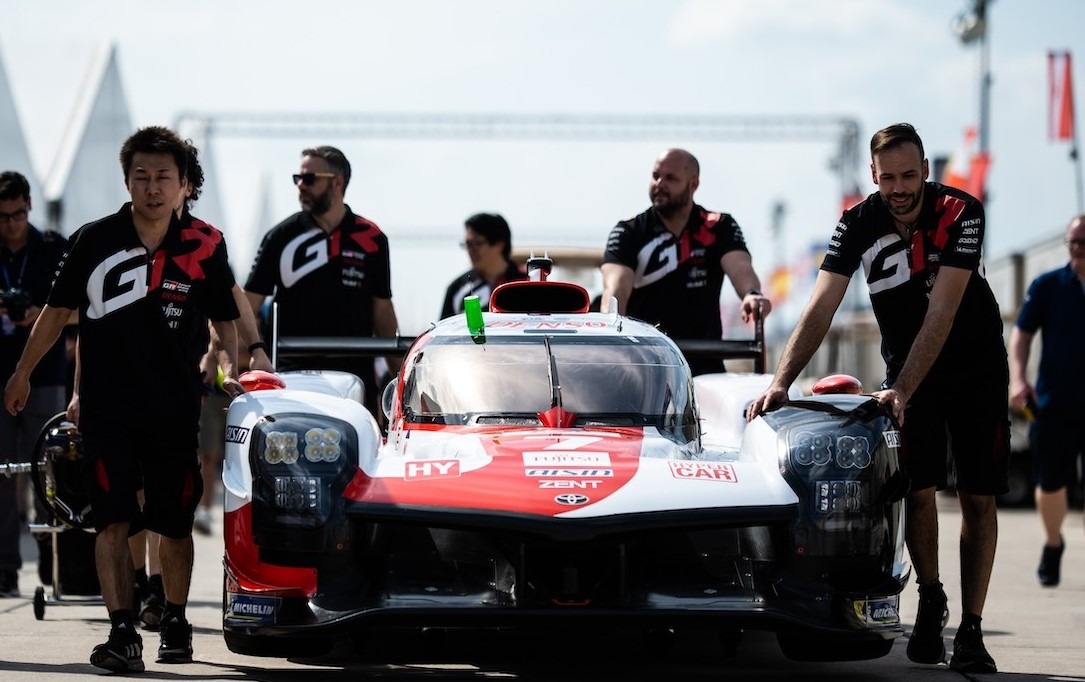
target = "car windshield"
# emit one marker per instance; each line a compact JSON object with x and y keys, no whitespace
{"x":623,"y":381}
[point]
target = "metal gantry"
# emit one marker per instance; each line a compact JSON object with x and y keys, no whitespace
{"x":555,"y":126}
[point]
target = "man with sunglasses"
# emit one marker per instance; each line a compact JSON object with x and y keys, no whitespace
{"x":488,"y":241}
{"x":28,"y":259}
{"x":1055,"y":304}
{"x":327,"y":269}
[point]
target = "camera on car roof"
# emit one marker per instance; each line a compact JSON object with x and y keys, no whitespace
{"x":16,"y":301}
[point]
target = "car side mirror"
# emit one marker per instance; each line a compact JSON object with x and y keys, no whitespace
{"x":387,"y":396}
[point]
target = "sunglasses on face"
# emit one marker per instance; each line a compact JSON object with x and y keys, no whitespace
{"x":473,"y":244}
{"x":308,"y":179}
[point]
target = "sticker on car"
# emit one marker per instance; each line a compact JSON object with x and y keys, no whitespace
{"x":252,"y":609}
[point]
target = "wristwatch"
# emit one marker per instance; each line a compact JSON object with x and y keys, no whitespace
{"x":753,"y":292}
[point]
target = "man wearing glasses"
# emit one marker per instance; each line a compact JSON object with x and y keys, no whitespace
{"x":488,"y":241}
{"x":327,"y":270}
{"x":28,"y":260}
{"x":1056,"y":304}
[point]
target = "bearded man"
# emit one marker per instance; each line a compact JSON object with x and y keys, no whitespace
{"x":666,"y":266}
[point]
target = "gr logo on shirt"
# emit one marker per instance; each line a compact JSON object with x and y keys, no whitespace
{"x":302,"y":255}
{"x":656,"y":259}
{"x":118,"y":281}
{"x":886,"y":264}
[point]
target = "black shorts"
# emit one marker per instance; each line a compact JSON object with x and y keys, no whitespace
{"x":121,"y":460}
{"x":970,"y":435}
{"x":1058,"y":444}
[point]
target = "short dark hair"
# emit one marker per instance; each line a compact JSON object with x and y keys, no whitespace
{"x":193,"y":172}
{"x":336,"y":159}
{"x":154,"y":140}
{"x":494,"y":228}
{"x":14,"y":185}
{"x":894,"y":136}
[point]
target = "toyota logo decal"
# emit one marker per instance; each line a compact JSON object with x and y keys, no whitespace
{"x":572,"y":499}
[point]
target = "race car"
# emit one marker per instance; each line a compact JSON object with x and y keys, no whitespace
{"x":542,"y":466}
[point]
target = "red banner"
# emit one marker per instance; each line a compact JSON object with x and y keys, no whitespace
{"x":1060,"y":119}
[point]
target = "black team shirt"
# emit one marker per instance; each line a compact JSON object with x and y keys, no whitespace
{"x":676,"y":280}
{"x":143,"y":317}
{"x":900,"y":274}
{"x":324,"y":285}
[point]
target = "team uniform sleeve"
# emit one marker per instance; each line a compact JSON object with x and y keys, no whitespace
{"x":70,"y":280}
{"x":843,"y":254}
{"x":382,"y":269}
{"x":51,"y":255}
{"x":620,"y":248}
{"x":264,"y":275}
{"x":730,"y":236}
{"x":962,"y":223}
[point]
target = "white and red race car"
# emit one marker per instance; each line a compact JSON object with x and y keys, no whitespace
{"x":545,"y":466}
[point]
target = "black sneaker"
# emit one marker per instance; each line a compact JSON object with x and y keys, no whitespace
{"x":969,"y":654}
{"x":150,"y":613}
{"x":176,"y":641}
{"x":1048,"y":573}
{"x":925,"y":644}
{"x":121,"y":653}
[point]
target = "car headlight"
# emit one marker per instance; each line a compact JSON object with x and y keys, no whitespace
{"x":810,"y":448}
{"x":841,"y":472}
{"x":299,"y":459}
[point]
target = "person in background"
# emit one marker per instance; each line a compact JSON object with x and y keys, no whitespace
{"x":666,"y":265}
{"x":920,"y":244}
{"x":327,"y":270}
{"x":488,"y":241}
{"x":177,"y":277}
{"x":28,"y":259}
{"x":1055,"y":305}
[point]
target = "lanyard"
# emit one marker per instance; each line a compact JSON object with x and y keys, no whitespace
{"x":22,"y":271}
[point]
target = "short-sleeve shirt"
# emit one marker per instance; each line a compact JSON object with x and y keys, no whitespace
{"x":900,"y":275}
{"x":31,"y":270}
{"x":143,"y":317}
{"x":471,"y":283}
{"x":1055,"y":304}
{"x":676,"y":279}
{"x":324,"y":283}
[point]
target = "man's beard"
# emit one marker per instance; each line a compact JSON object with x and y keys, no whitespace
{"x":319,"y":203}
{"x":911,"y":206}
{"x":672,"y":205}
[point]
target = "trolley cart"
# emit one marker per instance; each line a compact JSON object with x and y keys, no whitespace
{"x":56,"y":474}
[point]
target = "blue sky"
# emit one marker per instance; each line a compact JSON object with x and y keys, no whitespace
{"x":877,"y":61}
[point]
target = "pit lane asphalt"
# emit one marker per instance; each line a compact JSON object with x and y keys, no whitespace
{"x":1034,"y":633}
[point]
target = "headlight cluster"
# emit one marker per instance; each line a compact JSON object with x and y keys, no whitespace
{"x":819,"y":449}
{"x":301,"y":459}
{"x":321,"y":445}
{"x":833,"y":465}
